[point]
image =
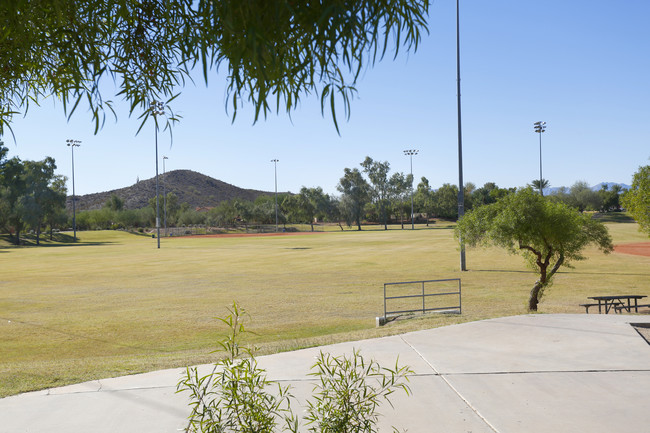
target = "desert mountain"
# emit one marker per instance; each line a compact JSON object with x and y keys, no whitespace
{"x":196,"y":189}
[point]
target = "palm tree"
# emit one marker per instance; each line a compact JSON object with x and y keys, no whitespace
{"x":544,"y":184}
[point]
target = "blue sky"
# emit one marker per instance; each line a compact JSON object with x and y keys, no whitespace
{"x":581,"y":66}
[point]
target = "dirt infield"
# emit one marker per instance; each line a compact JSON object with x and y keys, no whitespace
{"x":248,"y":235}
{"x":637,"y":248}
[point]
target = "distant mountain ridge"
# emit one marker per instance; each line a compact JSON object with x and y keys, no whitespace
{"x":597,"y":187}
{"x":195,"y":189}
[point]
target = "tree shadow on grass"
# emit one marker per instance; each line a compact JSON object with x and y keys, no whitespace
{"x":562,"y":272}
{"x":58,"y":240}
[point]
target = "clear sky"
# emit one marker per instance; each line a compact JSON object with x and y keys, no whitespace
{"x":581,"y":66}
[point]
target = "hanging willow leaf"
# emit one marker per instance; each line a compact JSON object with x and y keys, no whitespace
{"x":285,"y":49}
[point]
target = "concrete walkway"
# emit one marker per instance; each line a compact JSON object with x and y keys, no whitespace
{"x":534,"y":373}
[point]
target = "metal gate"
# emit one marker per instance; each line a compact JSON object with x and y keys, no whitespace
{"x":434,"y":296}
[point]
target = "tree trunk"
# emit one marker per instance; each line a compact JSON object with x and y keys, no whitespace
{"x":537,"y":288}
{"x":534,"y":293}
{"x":543,"y":281}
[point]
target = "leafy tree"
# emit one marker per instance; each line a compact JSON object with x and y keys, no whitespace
{"x":244,"y":209}
{"x":356,"y":194}
{"x":222,"y":215}
{"x":446,"y":201}
{"x":498,"y":193}
{"x":264,"y":210}
{"x":481,"y":196}
{"x":424,"y":198}
{"x":190,"y":216}
{"x":173,"y":207}
{"x":380,"y":185}
{"x":548,"y":234}
{"x":275,"y":51}
{"x":4,"y":190}
{"x":637,"y":199}
{"x":12,"y":189}
{"x":583,"y":197}
{"x":610,"y":198}
{"x":56,"y":215}
{"x":51,"y":201}
{"x":316,"y":203}
{"x":334,"y":211}
{"x":291,"y":206}
{"x":400,"y":190}
{"x":131,"y":218}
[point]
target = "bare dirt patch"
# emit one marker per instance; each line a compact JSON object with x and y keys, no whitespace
{"x":636,"y":248}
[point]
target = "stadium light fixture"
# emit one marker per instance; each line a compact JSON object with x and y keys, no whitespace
{"x":157,"y":109}
{"x":540,"y":127}
{"x":410,"y":153}
{"x":72,"y":144}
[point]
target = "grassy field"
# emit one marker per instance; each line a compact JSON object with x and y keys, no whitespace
{"x":114,"y":304}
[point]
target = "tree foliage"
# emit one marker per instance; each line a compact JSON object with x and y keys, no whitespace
{"x":31,"y":195}
{"x":401,"y":186}
{"x":548,"y":234}
{"x":356,"y":194}
{"x":637,"y":199}
{"x":377,"y":173}
{"x":272,"y":49}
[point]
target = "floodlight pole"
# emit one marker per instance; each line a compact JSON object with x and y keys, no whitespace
{"x":410,"y":153}
{"x":540,"y":127}
{"x":157,"y":109}
{"x":275,"y":164}
{"x":73,"y":144}
{"x":461,"y":188}
{"x":165,"y":195}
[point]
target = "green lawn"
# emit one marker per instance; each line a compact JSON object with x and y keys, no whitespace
{"x":114,"y":304}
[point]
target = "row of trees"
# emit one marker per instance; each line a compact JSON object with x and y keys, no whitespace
{"x":32,"y":196}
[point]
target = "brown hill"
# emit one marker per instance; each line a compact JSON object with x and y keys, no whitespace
{"x":196,"y":189}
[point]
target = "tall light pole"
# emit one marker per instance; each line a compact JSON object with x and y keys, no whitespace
{"x":461,"y":187}
{"x":275,"y":163}
{"x":157,"y":109}
{"x":539,"y":128}
{"x":164,"y":195}
{"x":72,"y":144}
{"x":410,"y":153}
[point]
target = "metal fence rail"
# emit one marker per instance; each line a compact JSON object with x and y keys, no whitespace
{"x":424,"y":294}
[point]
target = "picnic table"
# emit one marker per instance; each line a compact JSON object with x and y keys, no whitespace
{"x":617,"y":302}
